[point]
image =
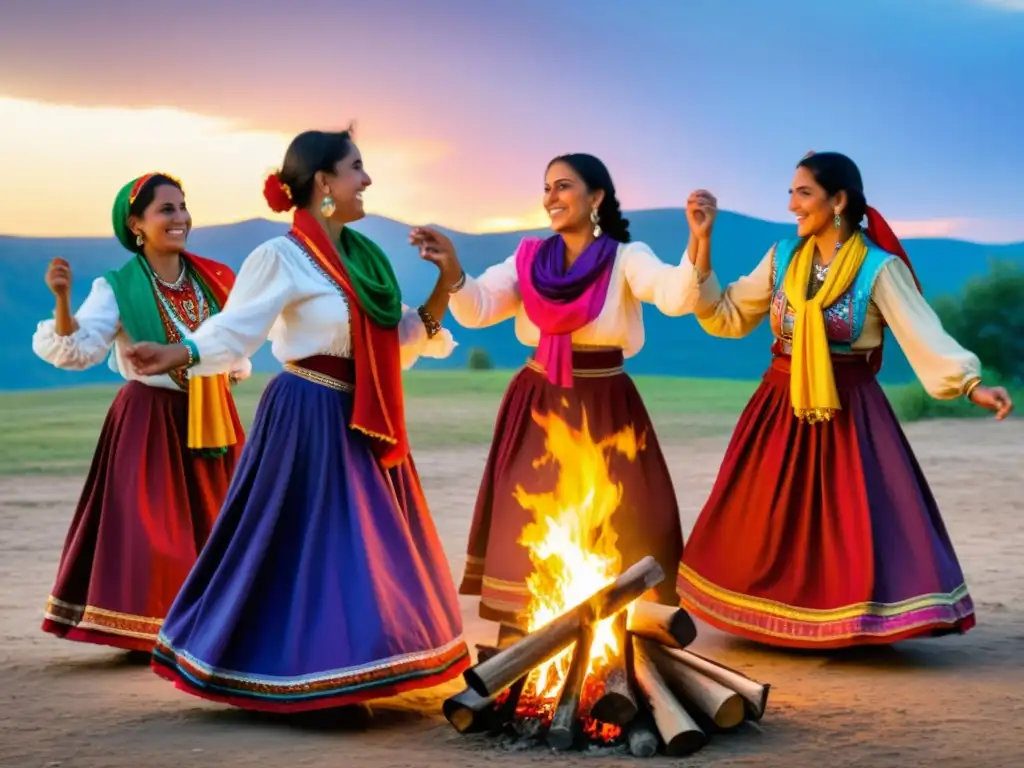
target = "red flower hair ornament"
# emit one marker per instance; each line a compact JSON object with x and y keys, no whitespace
{"x":277,"y":194}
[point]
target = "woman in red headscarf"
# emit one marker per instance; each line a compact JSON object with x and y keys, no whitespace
{"x":821,"y":530}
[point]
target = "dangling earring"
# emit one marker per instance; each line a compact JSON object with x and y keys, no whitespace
{"x":596,"y":221}
{"x":138,"y":240}
{"x":838,"y":220}
{"x":327,"y":207}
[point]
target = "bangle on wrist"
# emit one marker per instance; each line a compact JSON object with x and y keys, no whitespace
{"x":433,"y":327}
{"x":970,"y":386}
{"x":457,"y":286}
{"x":193,"y":352}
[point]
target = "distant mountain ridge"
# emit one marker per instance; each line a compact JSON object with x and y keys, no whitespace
{"x":674,"y":346}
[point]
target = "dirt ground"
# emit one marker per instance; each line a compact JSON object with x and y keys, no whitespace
{"x":953,"y":701}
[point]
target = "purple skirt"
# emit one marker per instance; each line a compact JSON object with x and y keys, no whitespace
{"x":324,"y":582}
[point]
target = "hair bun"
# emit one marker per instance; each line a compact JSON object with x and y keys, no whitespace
{"x":277,"y":194}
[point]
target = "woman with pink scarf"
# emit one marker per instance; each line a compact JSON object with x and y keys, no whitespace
{"x":577,"y":298}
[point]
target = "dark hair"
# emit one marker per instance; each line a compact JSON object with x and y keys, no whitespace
{"x":595,"y":175}
{"x":144,"y":199}
{"x":836,"y":173}
{"x":308,"y":153}
{"x":148,"y":192}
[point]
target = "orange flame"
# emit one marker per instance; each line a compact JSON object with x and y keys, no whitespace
{"x":571,"y":542}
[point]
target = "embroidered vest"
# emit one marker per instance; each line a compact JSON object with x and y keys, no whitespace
{"x":844,"y":319}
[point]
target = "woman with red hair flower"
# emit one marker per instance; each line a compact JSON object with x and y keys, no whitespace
{"x":324,"y":582}
{"x":821,"y":530}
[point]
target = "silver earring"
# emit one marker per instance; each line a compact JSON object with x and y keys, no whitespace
{"x":596,"y":221}
{"x":327,"y":207}
{"x":837,"y":220}
{"x":138,"y":240}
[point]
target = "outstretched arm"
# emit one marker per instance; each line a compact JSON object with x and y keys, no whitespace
{"x":474,"y":302}
{"x":673,"y":289}
{"x":263,"y":288}
{"x":945,"y":369}
{"x":740,"y":308}
{"x":261,"y":291}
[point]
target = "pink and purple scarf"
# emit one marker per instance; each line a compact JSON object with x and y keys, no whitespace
{"x":560,"y":301}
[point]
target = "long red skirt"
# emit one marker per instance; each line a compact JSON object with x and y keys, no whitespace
{"x":146,"y":510}
{"x":823,"y":535}
{"x":646,"y":521}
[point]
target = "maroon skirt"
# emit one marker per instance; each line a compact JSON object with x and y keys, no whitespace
{"x":146,"y":510}
{"x":646,"y":521}
{"x":823,"y":535}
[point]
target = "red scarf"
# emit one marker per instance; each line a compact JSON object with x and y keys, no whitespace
{"x":881,"y":234}
{"x":378,"y":407}
{"x":218,"y":278}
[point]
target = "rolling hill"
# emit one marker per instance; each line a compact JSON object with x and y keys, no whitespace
{"x":675,"y":346}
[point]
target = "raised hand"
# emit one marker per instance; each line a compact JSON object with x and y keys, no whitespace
{"x":438,"y":249}
{"x":994,"y":399}
{"x":150,"y":359}
{"x":701,"y":210}
{"x":58,"y":278}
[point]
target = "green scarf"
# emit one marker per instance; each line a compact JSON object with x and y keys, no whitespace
{"x":372,"y":277}
{"x":137,"y":302}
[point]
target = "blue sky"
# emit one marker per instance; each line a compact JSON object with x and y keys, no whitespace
{"x":926,"y":95}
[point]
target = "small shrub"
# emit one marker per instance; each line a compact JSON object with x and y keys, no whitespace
{"x":479,"y":360}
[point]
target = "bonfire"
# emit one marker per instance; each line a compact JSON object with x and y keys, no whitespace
{"x":597,"y":665}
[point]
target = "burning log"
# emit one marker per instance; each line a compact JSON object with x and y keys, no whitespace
{"x":617,"y":704}
{"x":500,"y":671}
{"x":643,"y":735}
{"x":469,"y":712}
{"x":564,"y":723}
{"x":672,"y":627}
{"x":722,"y":704}
{"x":682,"y":736}
{"x":754,"y":694}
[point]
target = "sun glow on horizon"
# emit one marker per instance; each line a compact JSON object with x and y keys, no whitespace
{"x":63,"y":165}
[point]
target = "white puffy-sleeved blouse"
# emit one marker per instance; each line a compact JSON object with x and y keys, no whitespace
{"x":281,"y":294}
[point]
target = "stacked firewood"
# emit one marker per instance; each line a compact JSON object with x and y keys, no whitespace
{"x":655,"y":696}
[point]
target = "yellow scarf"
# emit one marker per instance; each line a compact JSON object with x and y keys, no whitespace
{"x":812,"y":384}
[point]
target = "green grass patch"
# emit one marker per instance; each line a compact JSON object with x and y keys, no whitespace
{"x":55,"y":431}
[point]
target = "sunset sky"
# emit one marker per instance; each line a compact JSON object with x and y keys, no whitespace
{"x":461,"y":103}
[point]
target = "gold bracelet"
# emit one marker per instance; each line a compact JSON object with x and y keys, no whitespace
{"x":433,"y":327}
{"x":970,"y":386}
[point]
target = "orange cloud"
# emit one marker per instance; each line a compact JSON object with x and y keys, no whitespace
{"x":63,"y":164}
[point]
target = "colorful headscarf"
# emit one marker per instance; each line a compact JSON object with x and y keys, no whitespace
{"x":123,"y":204}
{"x":212,"y":420}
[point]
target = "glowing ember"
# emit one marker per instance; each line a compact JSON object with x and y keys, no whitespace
{"x":573,"y":550}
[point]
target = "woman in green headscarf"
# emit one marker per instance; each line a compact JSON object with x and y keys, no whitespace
{"x":169,"y":443}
